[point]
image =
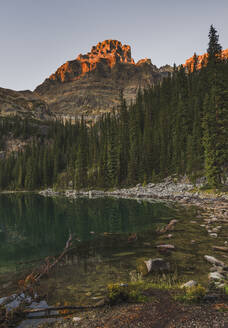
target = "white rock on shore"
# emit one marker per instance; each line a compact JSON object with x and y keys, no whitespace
{"x":213,"y":260}
{"x":215,"y":276}
{"x":189,"y":284}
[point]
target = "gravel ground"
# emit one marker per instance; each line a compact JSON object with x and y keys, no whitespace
{"x":163,"y":312}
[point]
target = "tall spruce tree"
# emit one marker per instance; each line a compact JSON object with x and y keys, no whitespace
{"x":215,"y":128}
{"x":214,"y":49}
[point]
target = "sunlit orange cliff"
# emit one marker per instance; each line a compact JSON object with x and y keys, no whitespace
{"x":107,"y":53}
{"x":91,"y":83}
{"x":201,"y":60}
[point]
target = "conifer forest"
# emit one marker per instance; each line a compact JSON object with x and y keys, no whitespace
{"x":179,"y":126}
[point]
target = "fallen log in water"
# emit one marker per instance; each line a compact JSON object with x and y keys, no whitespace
{"x":61,"y":308}
{"x":220,"y":248}
{"x":34,"y":277}
{"x":169,"y":227}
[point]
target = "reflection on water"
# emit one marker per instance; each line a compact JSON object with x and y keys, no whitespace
{"x":112,"y":237}
{"x":33,"y":227}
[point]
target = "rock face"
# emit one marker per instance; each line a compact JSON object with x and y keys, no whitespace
{"x":189,"y":64}
{"x":107,"y":53}
{"x":23,"y":103}
{"x":91,"y":84}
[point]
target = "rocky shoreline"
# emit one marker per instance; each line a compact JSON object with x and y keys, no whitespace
{"x":169,"y":189}
{"x":213,"y":212}
{"x":211,"y":216}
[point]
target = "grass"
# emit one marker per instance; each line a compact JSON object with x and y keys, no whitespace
{"x":209,"y":190}
{"x":226,"y":289}
{"x":134,"y":291}
{"x":194,"y":294}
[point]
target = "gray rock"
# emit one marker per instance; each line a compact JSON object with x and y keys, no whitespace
{"x":189,"y":284}
{"x":216,"y":269}
{"x":214,"y":235}
{"x":215,"y":276}
{"x":169,"y":235}
{"x":157,"y":265}
{"x":168,"y":247}
{"x":76,"y":319}
{"x":213,"y":260}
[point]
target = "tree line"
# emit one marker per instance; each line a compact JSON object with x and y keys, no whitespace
{"x":179,"y":126}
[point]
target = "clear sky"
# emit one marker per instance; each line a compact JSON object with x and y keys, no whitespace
{"x":37,"y":36}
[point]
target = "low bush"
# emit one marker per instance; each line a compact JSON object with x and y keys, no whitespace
{"x":119,"y":292}
{"x":192,"y":295}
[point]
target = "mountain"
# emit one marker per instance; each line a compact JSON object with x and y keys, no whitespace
{"x":91,"y":83}
{"x":23,"y":103}
{"x":201,"y":59}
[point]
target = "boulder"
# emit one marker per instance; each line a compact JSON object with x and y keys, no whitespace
{"x":157,"y":265}
{"x":76,"y":319}
{"x":215,"y":276}
{"x":189,"y":284}
{"x":217,"y":269}
{"x":214,"y":235}
{"x":213,"y":260}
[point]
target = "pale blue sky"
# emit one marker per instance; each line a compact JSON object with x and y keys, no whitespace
{"x":37,"y":36}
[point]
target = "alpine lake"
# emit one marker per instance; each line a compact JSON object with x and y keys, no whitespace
{"x":111,"y":238}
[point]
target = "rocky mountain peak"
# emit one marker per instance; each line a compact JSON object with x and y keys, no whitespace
{"x":113,"y":51}
{"x":108,"y":53}
{"x":90,"y":84}
{"x":189,"y":64}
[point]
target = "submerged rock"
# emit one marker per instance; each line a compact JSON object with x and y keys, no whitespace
{"x":169,"y":227}
{"x":217,"y":269}
{"x":215,"y":276}
{"x":166,"y":247}
{"x":213,"y":260}
{"x":214,"y":235}
{"x":157,"y":265}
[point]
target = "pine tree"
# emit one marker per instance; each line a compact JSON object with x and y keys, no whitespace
{"x":214,"y":48}
{"x":215,"y":121}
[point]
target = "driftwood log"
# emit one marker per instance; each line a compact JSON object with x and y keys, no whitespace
{"x":29,"y":282}
{"x":61,"y":308}
{"x":169,"y":227}
{"x":220,"y":248}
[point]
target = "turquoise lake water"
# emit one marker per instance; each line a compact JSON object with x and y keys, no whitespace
{"x":111,"y":236}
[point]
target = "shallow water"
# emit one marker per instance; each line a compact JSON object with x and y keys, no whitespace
{"x":33,"y":227}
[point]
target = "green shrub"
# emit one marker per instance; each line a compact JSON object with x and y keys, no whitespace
{"x":119,"y":292}
{"x":192,"y":295}
{"x":226,"y":289}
